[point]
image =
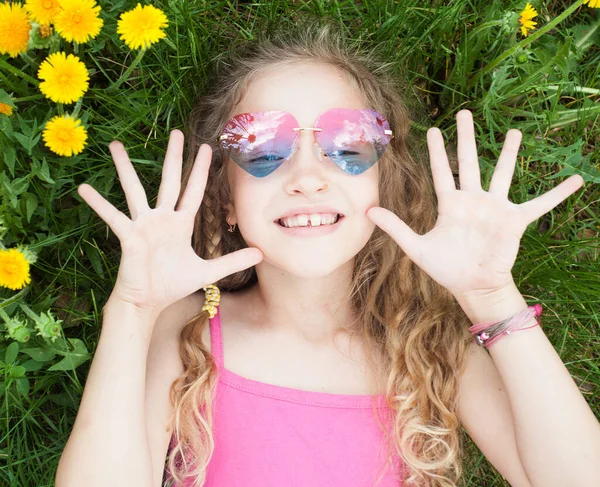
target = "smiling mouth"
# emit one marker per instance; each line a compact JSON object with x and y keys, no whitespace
{"x":338,"y":218}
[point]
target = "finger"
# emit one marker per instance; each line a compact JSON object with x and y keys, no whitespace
{"x":505,"y":168}
{"x":400,"y":232}
{"x":171,"y":172}
{"x":468,"y":163}
{"x":194,"y":191}
{"x":228,"y":264}
{"x":440,"y":167}
{"x":134,"y":191}
{"x":116,"y":220}
{"x":541,"y":205}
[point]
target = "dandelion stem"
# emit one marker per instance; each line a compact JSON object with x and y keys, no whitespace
{"x":18,"y":72}
{"x":75,"y":111}
{"x":13,"y":299}
{"x":29,"y":312}
{"x":525,"y":42}
{"x":112,"y":88}
{"x":29,"y":60}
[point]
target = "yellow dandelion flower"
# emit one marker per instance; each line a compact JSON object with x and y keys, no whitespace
{"x":79,"y":20}
{"x":14,"y":269}
{"x":6,"y":109}
{"x":526,"y":21}
{"x":593,"y":3}
{"x":142,"y":26}
{"x":64,"y":135}
{"x":43,"y":11}
{"x":14,"y":29}
{"x":65,"y":78}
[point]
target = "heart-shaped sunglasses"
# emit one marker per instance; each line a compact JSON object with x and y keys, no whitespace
{"x":354,"y":139}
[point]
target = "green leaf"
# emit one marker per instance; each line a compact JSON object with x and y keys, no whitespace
{"x":40,"y":354}
{"x":9,"y":157}
{"x":24,"y":140}
{"x":32,"y":365}
{"x":31,"y":203}
{"x":575,"y":164}
{"x":23,"y":386}
{"x":17,"y":371}
{"x":43,"y":171}
{"x":73,"y":359}
{"x":92,"y":253}
{"x":11,"y":352}
{"x":26,"y":129}
{"x":17,"y":186}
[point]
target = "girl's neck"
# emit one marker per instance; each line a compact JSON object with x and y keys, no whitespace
{"x":313,"y":309}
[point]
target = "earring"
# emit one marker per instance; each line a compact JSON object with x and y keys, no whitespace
{"x":231,"y":228}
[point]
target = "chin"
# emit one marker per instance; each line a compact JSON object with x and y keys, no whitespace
{"x":307,"y":265}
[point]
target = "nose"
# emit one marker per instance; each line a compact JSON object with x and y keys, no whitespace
{"x":307,"y":173}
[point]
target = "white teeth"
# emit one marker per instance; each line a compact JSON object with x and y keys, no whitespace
{"x":315,"y":220}
{"x":301,"y":221}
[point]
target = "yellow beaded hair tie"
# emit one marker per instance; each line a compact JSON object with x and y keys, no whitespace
{"x":212,"y":296}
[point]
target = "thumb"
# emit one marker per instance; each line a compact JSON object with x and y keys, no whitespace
{"x":400,"y":232}
{"x":231,"y":263}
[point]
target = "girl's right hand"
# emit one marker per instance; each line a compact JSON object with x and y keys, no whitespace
{"x":158,"y":264}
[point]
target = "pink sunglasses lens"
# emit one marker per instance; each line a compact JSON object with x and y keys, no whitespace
{"x":353,"y":139}
{"x":260,"y":142}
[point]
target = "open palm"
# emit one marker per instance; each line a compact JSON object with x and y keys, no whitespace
{"x":474,"y":243}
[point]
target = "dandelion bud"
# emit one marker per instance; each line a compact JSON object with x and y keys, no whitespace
{"x":522,"y":58}
{"x":45,"y":323}
{"x":17,"y":330}
{"x":45,"y":30}
{"x":509,"y":22}
{"x":48,"y":326}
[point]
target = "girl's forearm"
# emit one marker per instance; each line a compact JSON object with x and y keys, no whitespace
{"x":108,"y":444}
{"x":557,"y":434}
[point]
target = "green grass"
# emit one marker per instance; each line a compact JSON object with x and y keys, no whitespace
{"x":450,"y":55}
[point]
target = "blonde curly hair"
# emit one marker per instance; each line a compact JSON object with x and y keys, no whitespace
{"x":411,"y":326}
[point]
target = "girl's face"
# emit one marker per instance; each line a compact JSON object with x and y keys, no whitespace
{"x":305,"y":90}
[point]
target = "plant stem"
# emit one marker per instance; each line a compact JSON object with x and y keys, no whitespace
{"x":13,"y":299}
{"x":18,"y":72}
{"x":75,"y":111}
{"x":112,"y":88}
{"x":29,"y":60}
{"x":525,"y":42}
{"x":29,"y":98}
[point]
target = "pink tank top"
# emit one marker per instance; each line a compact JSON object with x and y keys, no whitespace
{"x":272,"y":436}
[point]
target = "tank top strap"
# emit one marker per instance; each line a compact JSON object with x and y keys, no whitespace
{"x":216,"y":339}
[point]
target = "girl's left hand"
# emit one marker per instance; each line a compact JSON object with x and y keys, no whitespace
{"x":474,"y":243}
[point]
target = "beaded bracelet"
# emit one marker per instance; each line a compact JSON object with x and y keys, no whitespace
{"x":486,"y":334}
{"x":212,"y":296}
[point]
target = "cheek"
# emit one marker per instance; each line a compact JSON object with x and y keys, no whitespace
{"x":367,"y":189}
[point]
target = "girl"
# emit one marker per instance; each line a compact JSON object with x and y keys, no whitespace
{"x":320,"y":327}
